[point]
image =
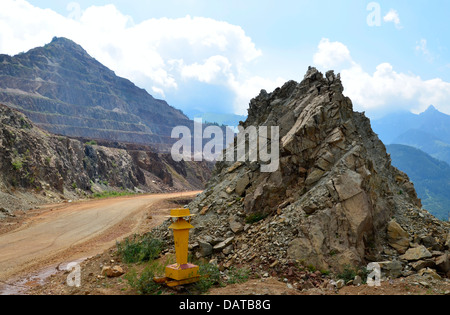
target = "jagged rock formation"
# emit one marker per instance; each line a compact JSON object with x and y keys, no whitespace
{"x":330,"y":202}
{"x":67,"y":92}
{"x":36,"y":165}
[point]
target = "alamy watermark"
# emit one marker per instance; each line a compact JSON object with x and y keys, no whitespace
{"x":74,"y":277}
{"x":374,"y":278}
{"x":374,"y":17}
{"x":75,"y":11}
{"x":252,"y":145}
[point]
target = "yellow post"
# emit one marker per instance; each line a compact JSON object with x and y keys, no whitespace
{"x":183,"y":272}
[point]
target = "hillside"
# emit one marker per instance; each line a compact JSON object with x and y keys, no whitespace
{"x":67,"y":92}
{"x":431,"y":177}
{"x":428,"y":131}
{"x":38,"y":167}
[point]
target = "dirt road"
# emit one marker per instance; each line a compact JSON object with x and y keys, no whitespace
{"x":73,"y":231}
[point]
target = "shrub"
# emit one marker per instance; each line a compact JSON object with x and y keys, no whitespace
{"x":93,"y":142}
{"x":210,"y":276}
{"x":238,"y":275}
{"x":18,"y":165}
{"x":255,"y":217}
{"x":139,"y":249}
{"x":348,"y":274}
{"x":144,"y":283}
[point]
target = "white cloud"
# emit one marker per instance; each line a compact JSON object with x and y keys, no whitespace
{"x":157,"y":54}
{"x":209,"y":72}
{"x":332,"y":54}
{"x":387,"y":90}
{"x":422,"y":47}
{"x":392,"y":16}
{"x":251,"y":88}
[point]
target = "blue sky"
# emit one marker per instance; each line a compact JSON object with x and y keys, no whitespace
{"x":213,"y":56}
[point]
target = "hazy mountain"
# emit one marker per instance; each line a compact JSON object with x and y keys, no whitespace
{"x":65,"y":91}
{"x":431,"y":177}
{"x":428,"y":131}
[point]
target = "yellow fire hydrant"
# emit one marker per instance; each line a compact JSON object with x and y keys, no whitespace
{"x":182,"y":272}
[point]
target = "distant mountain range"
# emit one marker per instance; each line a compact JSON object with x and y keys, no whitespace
{"x":65,"y":91}
{"x":420,"y":146}
{"x":431,"y":177}
{"x":428,"y":131}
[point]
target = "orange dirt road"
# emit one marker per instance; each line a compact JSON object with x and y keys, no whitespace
{"x":75,"y":231}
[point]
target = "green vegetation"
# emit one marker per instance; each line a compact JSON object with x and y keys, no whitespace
{"x":137,"y":248}
{"x":431,"y":177}
{"x":255,"y":217}
{"x":24,"y":124}
{"x":18,"y":165}
{"x":74,"y":186}
{"x":144,"y":283}
{"x":108,"y":194}
{"x":92,"y":142}
{"x":349,"y":273}
{"x":210,"y":276}
{"x":238,"y":275}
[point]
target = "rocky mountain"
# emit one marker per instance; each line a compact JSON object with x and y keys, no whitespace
{"x":430,"y":176}
{"x":67,"y":92}
{"x":37,"y":166}
{"x":428,"y":131}
{"x":335,"y":200}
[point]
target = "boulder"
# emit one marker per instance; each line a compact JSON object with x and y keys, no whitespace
{"x":236,"y":226}
{"x":224,"y":244}
{"x":206,"y":249}
{"x":112,"y":272}
{"x":398,"y":238}
{"x":421,"y":264}
{"x":241,"y":185}
{"x":391,"y":269}
{"x":443,"y":263}
{"x":429,"y":274}
{"x":417,"y":253}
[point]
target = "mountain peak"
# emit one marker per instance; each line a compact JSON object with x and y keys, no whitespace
{"x":431,"y":109}
{"x":66,"y":44}
{"x":75,"y":95}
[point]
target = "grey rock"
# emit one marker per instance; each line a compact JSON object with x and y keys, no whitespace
{"x":443,"y":263}
{"x":391,"y":269}
{"x":417,"y":253}
{"x":398,"y":238}
{"x":223,"y":244}
{"x":206,"y":249}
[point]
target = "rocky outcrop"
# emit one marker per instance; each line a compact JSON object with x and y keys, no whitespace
{"x":35,"y":164}
{"x":333,"y":200}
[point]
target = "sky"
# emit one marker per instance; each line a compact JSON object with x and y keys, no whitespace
{"x":215,"y":55}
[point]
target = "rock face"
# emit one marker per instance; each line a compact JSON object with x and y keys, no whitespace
{"x":65,"y":91}
{"x":330,"y":202}
{"x":34,"y":162}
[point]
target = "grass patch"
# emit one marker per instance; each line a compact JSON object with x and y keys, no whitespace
{"x":238,"y":275}
{"x":349,"y":273}
{"x":144,"y":284}
{"x":136,"y":249}
{"x":108,"y":194}
{"x":18,"y":165}
{"x":93,"y":142}
{"x":255,"y":217}
{"x":210,"y":276}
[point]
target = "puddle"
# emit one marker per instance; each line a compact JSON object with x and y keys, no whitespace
{"x":23,"y":285}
